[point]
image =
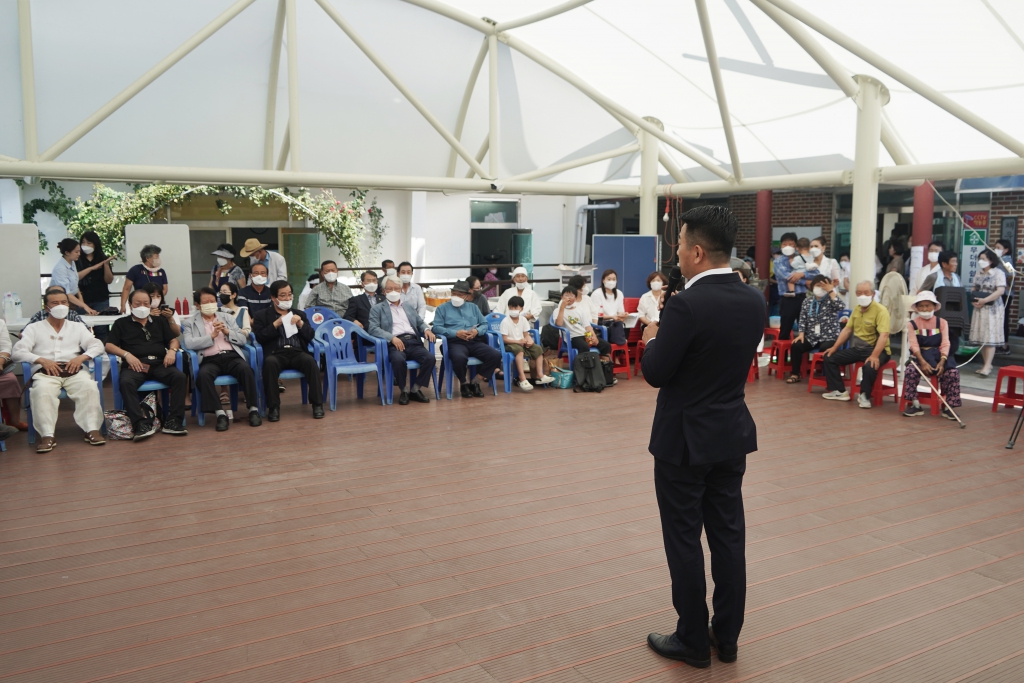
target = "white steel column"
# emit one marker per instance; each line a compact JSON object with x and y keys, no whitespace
{"x":293,"y":85}
{"x":492,"y":86}
{"x":716,"y":78}
{"x":28,"y":79}
{"x":275,"y":70}
{"x":870,"y":98}
{"x":649,"y":147}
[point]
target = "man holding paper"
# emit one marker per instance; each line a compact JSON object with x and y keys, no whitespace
{"x":286,"y":335}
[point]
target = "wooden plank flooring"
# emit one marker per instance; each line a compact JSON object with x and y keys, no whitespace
{"x":506,"y":540}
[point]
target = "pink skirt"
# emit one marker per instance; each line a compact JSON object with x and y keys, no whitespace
{"x":9,"y":386}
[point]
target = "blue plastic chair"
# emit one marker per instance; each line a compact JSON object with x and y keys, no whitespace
{"x":220,"y":381}
{"x":145,"y":388}
{"x":494,"y":338}
{"x":336,"y":338}
{"x":389,"y":378}
{"x":565,"y":340}
{"x":449,"y":373}
{"x":26,"y":370}
{"x":314,"y":348}
{"x":318,"y":315}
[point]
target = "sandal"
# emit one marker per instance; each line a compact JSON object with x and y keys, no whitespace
{"x":793,"y":379}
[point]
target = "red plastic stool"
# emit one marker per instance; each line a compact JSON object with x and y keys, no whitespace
{"x":772,"y":332}
{"x":818,"y":363}
{"x":640,"y":345}
{"x":780,"y":361}
{"x":620,"y":365}
{"x":933,"y":401}
{"x":879,"y":391}
{"x":754,"y":372}
{"x":1011,"y":398}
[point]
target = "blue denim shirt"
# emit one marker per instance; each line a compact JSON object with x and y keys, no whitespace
{"x":448,"y":320}
{"x":66,"y":275}
{"x":782,"y":273}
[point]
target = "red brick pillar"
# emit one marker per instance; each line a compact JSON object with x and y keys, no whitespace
{"x":924,"y":210}
{"x":763,"y":234}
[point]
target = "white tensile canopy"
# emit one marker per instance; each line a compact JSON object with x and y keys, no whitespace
{"x":512,"y":95}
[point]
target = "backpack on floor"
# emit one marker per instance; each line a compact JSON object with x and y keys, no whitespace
{"x":588,"y":373}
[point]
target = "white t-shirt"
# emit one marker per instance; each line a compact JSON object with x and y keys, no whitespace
{"x":604,"y":307}
{"x":532,"y":302}
{"x":515,"y":328}
{"x":576,"y":318}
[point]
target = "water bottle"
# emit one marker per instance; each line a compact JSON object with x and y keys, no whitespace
{"x":17,"y":306}
{"x":8,"y":307}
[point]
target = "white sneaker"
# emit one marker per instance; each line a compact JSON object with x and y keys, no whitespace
{"x":836,"y":396}
{"x":525,"y":386}
{"x":545,"y":379}
{"x":863,"y":401}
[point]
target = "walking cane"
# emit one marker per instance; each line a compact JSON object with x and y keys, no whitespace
{"x":948,"y":407}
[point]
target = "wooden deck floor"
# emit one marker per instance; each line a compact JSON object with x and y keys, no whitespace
{"x":508,"y":539}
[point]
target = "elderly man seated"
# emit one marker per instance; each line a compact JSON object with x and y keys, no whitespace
{"x":217,"y":339}
{"x":149,"y":350}
{"x":465,"y":330}
{"x":330,"y":293}
{"x":359,"y":307}
{"x":402,"y":327}
{"x":531,"y":302}
{"x":868,"y":333}
{"x":57,"y":348}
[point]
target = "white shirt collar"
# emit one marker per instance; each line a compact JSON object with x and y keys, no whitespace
{"x":712,"y":271}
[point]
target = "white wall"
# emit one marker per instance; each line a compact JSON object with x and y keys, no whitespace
{"x":10,"y":202}
{"x":19,"y":275}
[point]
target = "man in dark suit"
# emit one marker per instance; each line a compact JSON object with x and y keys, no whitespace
{"x":285,"y":335}
{"x":699,"y":355}
{"x":358,"y":310}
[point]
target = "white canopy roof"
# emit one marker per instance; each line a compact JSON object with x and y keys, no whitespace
{"x":209,"y":110}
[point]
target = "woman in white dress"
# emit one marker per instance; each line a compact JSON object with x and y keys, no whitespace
{"x":986,"y":296}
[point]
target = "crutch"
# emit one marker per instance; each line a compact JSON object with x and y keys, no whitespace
{"x":937,"y":393}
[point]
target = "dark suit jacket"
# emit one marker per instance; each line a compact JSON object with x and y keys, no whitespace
{"x":270,"y":336}
{"x":359,"y":308}
{"x":707,"y":338}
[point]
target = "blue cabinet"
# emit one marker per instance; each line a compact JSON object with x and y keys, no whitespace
{"x":633,"y":257}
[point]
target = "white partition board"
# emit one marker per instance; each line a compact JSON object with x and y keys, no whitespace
{"x":20,"y":270}
{"x":175,"y":255}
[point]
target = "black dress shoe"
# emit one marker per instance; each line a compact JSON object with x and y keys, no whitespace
{"x":254,"y":418}
{"x":274,"y":415}
{"x":670,"y":647}
{"x":419,"y":397}
{"x":726,"y":653}
{"x":318,"y":411}
{"x":465,"y":391}
{"x":403,"y":399}
{"x":222,"y":423}
{"x":478,"y":392}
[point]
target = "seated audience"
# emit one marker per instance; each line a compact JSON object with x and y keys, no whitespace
{"x":57,"y":349}
{"x":286,"y":335}
{"x":465,"y":330}
{"x":515,"y":333}
{"x":411,"y":292}
{"x":10,"y":388}
{"x":159,"y":307}
{"x":216,"y":338}
{"x":256,"y":296}
{"x":43,"y":314}
{"x":477,"y":290}
{"x":580,"y":284}
{"x":649,"y":308}
{"x":330,"y":293}
{"x":819,"y":324}
{"x":225,"y":269}
{"x":572,"y":315}
{"x":928,"y":337}
{"x":148,"y":272}
{"x":402,"y":327}
{"x":608,"y":301}
{"x":532,"y":306}
{"x":149,"y":350}
{"x":359,"y":307}
{"x":228,"y":297}
{"x":868,"y":333}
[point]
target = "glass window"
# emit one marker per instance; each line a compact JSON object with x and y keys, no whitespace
{"x":484,"y":211}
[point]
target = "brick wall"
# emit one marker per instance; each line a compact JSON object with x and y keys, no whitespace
{"x":744,"y":208}
{"x":1009,"y":204}
{"x":789,"y":210}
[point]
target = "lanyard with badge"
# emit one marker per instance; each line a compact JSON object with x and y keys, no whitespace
{"x":815,"y":307}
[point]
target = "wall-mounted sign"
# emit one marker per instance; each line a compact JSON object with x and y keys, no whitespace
{"x":974,"y":242}
{"x":976,"y":219}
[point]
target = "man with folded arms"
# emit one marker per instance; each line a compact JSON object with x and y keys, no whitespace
{"x":57,"y":348}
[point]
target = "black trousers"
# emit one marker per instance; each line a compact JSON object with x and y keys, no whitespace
{"x":227,"y":363}
{"x":789,"y":311}
{"x":708,"y":497}
{"x":581,"y":345}
{"x":799,"y":349}
{"x":415,"y":351}
{"x":174,"y":378}
{"x":834,"y":369}
{"x":302,"y":361}
{"x":460,"y":351}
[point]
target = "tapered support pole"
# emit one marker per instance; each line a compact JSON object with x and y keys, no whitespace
{"x":28,"y":80}
{"x":870,"y":98}
{"x":649,"y":147}
{"x":293,"y":84}
{"x":275,"y":70}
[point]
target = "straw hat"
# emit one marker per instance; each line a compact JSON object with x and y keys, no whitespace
{"x":252,"y":245}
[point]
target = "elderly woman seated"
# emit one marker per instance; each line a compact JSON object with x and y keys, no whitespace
{"x":929,"y":348}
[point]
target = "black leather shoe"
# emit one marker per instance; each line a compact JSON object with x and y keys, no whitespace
{"x":478,"y":392}
{"x":274,"y":415}
{"x":254,"y":418}
{"x":671,"y":648}
{"x":318,"y":411}
{"x":222,"y":423}
{"x":403,"y":399}
{"x":465,"y":391}
{"x":726,"y":653}
{"x":419,"y":397}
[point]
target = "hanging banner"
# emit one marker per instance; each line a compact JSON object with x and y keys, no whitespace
{"x":974,"y":242}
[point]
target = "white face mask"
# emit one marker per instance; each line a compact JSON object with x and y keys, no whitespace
{"x":259,"y":279}
{"x":59,"y":312}
{"x":815,"y":252}
{"x":405,"y":278}
{"x":221,"y":261}
{"x":586,"y":289}
{"x":86,"y":249}
{"x":999,"y":251}
{"x":331,"y":277}
{"x":983,"y":263}
{"x":208,"y":309}
{"x":457,"y":302}
{"x":140,"y":312}
{"x":155,"y":262}
{"x":656,"y":285}
{"x":788,"y":251}
{"x":370,"y":287}
{"x":819,"y":292}
{"x":610,"y":284}
{"x":394,"y":296}
{"x":864,"y":301}
{"x":155,"y":302}
{"x":933,"y":257}
{"x":391,"y":271}
{"x":925,"y":314}
{"x":521,"y":285}
{"x":284,"y":304}
{"x":514,"y":312}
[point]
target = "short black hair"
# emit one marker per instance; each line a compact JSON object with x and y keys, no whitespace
{"x":946,"y":255}
{"x":261,"y":265}
{"x":819,"y":279}
{"x":197,"y":295}
{"x":67,"y":245}
{"x":385,"y":262}
{"x":712,"y":227}
{"x":516,"y":302}
{"x":403,"y":264}
{"x":787,"y":237}
{"x":232,"y":287}
{"x":472,"y":280}
{"x":577,"y":282}
{"x":937,"y":243}
{"x":277,"y":287}
{"x":50,"y":291}
{"x":569,"y":289}
{"x":326,"y":262}
{"x":362,"y":276}
{"x":131,"y":297}
{"x":1005,"y":244}
{"x":151,"y":289}
{"x":898,"y":248}
{"x":313,"y":276}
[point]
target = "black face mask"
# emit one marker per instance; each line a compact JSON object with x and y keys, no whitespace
{"x":225,"y":299}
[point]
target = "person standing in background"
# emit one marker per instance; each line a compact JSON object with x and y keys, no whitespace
{"x":1003,"y":250}
{"x":789,"y":301}
{"x":94,"y":274}
{"x":225,"y":270}
{"x":256,"y":251}
{"x":142,"y":274}
{"x":412,"y":293}
{"x":66,"y":275}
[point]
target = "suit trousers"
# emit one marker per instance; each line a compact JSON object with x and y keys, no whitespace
{"x":171,"y":376}
{"x":226,"y":363}
{"x":80,"y":387}
{"x":834,"y":368}
{"x":414,"y":351}
{"x":460,"y":351}
{"x":789,"y":312}
{"x":708,"y":497}
{"x":302,"y":361}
